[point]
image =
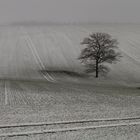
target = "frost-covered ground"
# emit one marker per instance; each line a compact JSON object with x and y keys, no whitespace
{"x":41,"y":101}
{"x":44,"y":101}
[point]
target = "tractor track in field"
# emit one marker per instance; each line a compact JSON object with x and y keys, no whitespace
{"x":6,"y":93}
{"x":36,"y":56}
{"x":27,"y":129}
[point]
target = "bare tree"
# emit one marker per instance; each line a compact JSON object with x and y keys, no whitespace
{"x":100,"y":50}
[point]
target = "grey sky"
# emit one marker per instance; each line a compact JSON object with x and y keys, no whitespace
{"x":69,"y":11}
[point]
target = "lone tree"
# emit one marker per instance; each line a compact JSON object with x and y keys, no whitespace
{"x":100,"y":50}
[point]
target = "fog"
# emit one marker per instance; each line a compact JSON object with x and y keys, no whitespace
{"x":69,"y":11}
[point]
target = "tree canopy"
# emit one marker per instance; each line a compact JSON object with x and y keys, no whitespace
{"x":100,"y":49}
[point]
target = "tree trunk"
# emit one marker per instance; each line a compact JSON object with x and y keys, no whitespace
{"x":97,"y":70}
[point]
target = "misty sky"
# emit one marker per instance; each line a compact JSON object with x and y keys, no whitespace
{"x":69,"y":11}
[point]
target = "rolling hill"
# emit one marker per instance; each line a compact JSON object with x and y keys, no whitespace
{"x":26,"y":50}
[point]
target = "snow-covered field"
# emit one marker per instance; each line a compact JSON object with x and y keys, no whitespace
{"x":40,"y":101}
{"x":26,"y":95}
{"x":44,"y":101}
{"x":25,"y":50}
